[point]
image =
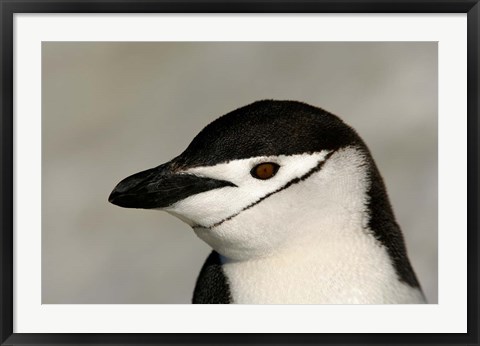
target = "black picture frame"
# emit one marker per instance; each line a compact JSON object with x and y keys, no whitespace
{"x":10,"y":7}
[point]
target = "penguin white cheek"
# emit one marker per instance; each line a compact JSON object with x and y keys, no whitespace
{"x":211,"y":207}
{"x":306,"y":208}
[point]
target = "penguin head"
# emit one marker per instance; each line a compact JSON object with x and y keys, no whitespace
{"x":260,"y":178}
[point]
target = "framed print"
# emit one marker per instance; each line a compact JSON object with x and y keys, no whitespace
{"x":303,"y":173}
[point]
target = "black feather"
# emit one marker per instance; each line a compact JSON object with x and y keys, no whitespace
{"x":212,"y":284}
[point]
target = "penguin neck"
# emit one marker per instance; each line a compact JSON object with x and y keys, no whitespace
{"x":332,"y":257}
{"x":332,"y":266}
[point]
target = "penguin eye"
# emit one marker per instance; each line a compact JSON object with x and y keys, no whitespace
{"x":265,"y":170}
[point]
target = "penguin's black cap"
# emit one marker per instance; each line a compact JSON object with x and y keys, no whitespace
{"x":263,"y":128}
{"x":267,"y":128}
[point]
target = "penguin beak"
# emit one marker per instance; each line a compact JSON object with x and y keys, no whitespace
{"x":159,"y":187}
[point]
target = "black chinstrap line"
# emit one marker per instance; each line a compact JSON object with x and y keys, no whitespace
{"x":307,"y":175}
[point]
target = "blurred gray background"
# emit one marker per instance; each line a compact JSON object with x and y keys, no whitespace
{"x":112,"y":109}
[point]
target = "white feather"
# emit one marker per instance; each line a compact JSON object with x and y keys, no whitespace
{"x":308,"y":243}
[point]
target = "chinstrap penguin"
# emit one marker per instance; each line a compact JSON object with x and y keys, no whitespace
{"x":293,"y":205}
